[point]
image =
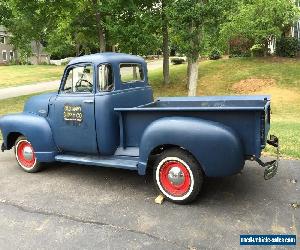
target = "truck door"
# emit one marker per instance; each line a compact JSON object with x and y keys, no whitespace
{"x":73,"y":119}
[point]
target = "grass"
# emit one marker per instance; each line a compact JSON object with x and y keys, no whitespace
{"x":13,"y":105}
{"x":218,"y":77}
{"x":26,"y":74}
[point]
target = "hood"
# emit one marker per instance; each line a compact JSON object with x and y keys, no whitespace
{"x":39,"y":104}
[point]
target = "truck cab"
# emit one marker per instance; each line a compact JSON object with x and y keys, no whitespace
{"x":82,"y":114}
{"x":104,"y":115}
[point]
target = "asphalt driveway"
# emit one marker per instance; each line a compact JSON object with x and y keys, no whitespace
{"x":78,"y":207}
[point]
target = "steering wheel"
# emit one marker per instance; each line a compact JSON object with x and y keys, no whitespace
{"x":83,"y":80}
{"x":88,"y":88}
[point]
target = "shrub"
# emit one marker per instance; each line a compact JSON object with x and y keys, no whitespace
{"x":287,"y":47}
{"x":257,"y":50}
{"x":240,"y":47}
{"x":177,"y":60}
{"x":43,"y":63}
{"x":215,"y":54}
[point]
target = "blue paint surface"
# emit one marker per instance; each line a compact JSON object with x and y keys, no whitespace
{"x":219,"y":131}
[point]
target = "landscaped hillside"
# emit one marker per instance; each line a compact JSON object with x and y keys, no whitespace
{"x":275,"y":76}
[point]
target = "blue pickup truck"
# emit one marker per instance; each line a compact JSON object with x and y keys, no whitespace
{"x":104,"y":115}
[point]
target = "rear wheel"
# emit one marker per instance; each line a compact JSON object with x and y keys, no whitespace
{"x":25,"y":155}
{"x":178,"y":176}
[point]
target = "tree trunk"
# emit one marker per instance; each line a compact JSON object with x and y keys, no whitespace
{"x":38,"y":52}
{"x":166,"y":53}
{"x":193,"y":77}
{"x":100,"y":30}
{"x":101,"y":36}
{"x":188,"y":70}
{"x":16,"y":56}
{"x":134,"y":73}
{"x":77,"y":46}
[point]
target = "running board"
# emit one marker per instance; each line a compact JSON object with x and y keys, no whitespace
{"x":104,"y":161}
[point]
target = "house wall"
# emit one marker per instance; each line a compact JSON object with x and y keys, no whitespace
{"x":295,"y":31}
{"x":6,"y":48}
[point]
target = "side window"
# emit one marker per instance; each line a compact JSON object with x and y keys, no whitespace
{"x":131,"y":72}
{"x":11,"y":55}
{"x":79,"y":80}
{"x":4,"y":55}
{"x":105,"y":78}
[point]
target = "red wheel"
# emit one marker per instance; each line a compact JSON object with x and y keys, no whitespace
{"x":178,"y":176}
{"x":174,"y":177}
{"x":25,"y":155}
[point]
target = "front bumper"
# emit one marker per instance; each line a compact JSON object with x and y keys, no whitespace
{"x":271,"y":167}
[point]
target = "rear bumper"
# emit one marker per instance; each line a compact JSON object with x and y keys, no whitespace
{"x":271,"y":167}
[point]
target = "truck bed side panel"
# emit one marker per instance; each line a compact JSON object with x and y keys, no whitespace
{"x":246,"y":125}
{"x":216,"y":147}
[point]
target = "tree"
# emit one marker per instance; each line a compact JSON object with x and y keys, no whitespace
{"x":29,"y":21}
{"x":134,"y":26}
{"x":165,"y":35}
{"x":191,"y":22}
{"x":261,"y":20}
{"x":96,"y":5}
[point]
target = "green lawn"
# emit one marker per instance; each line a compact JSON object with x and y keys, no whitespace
{"x":219,"y":77}
{"x":26,"y":74}
{"x":278,"y":77}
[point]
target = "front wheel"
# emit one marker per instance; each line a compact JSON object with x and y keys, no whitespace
{"x":25,"y":155}
{"x":178,"y":176}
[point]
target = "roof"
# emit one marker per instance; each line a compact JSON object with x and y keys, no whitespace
{"x":107,"y":57}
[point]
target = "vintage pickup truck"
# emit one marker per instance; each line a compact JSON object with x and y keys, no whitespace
{"x":104,"y":115}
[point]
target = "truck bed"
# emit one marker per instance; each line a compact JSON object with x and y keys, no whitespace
{"x":248,"y":116}
{"x":208,"y":103}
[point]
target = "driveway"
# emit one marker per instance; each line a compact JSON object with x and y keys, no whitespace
{"x":78,"y":207}
{"x":28,"y":89}
{"x":51,"y":86}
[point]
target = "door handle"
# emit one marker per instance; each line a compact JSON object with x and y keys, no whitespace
{"x":88,"y":101}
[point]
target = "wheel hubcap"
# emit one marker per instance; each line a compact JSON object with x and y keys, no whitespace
{"x":174,"y":178}
{"x":28,"y":153}
{"x":25,"y":154}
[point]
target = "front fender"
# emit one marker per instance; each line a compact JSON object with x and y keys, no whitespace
{"x":35,"y":128}
{"x":216,"y":147}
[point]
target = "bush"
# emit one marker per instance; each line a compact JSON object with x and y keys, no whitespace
{"x":177,"y":60}
{"x":65,"y":63}
{"x":287,"y":47}
{"x":257,"y":50}
{"x":215,"y":54}
{"x":240,"y":47}
{"x":43,"y":63}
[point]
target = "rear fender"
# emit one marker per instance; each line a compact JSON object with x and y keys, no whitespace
{"x":217,"y":148}
{"x":35,"y":128}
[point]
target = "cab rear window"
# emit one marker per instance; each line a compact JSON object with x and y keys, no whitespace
{"x":131,"y":73}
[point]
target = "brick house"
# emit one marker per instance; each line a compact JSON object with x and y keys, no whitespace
{"x":9,"y":54}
